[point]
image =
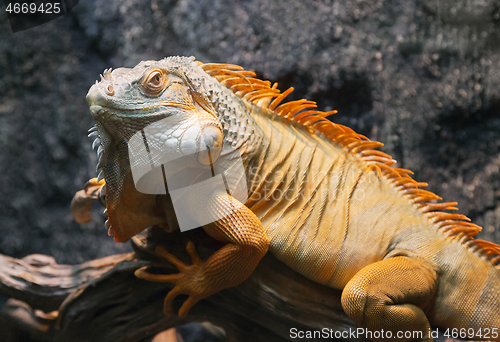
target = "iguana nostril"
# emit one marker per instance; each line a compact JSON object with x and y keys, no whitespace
{"x":94,"y":96}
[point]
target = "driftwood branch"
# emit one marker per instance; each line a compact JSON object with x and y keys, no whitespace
{"x":102,"y":300}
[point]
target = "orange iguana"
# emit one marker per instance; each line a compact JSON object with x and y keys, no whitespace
{"x":321,"y":199}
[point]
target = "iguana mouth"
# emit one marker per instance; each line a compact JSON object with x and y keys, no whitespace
{"x":115,"y":113}
{"x":103,"y":104}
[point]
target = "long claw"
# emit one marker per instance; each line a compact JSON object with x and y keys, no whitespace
{"x":141,"y":273}
{"x":169,"y":278}
{"x":187,"y":281}
{"x":161,"y":251}
{"x":167,"y":303}
{"x":195,"y":258}
{"x":188,"y":304}
{"x":164,"y":278}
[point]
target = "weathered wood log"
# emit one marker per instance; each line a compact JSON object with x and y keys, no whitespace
{"x":102,"y":300}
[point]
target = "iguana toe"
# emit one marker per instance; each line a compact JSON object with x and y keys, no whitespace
{"x":188,"y":281}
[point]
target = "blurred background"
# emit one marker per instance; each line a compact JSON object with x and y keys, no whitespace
{"x":421,"y":76}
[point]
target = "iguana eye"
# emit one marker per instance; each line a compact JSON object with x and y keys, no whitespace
{"x":154,"y":83}
{"x":156,"y":80}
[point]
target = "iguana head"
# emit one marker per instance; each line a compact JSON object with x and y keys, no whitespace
{"x":164,"y":108}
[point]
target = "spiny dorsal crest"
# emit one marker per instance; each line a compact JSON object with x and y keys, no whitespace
{"x":246,"y":86}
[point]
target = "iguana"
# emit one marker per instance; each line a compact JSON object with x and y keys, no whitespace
{"x":321,"y":198}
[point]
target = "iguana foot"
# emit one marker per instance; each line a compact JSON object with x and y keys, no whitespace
{"x":392,"y":295}
{"x":81,"y":205}
{"x":188,"y":281}
{"x":246,"y":244}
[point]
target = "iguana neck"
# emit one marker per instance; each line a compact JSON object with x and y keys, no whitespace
{"x":242,"y":132}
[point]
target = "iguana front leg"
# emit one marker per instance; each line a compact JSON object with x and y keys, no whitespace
{"x":228,"y":267}
{"x":391,"y":295}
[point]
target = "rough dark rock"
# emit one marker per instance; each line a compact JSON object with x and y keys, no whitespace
{"x":422,"y":76}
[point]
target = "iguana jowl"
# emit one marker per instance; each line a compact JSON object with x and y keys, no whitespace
{"x":322,"y":199}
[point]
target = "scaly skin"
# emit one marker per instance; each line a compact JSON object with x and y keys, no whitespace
{"x":320,"y":199}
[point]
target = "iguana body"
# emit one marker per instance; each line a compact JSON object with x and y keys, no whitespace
{"x":321,"y":199}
